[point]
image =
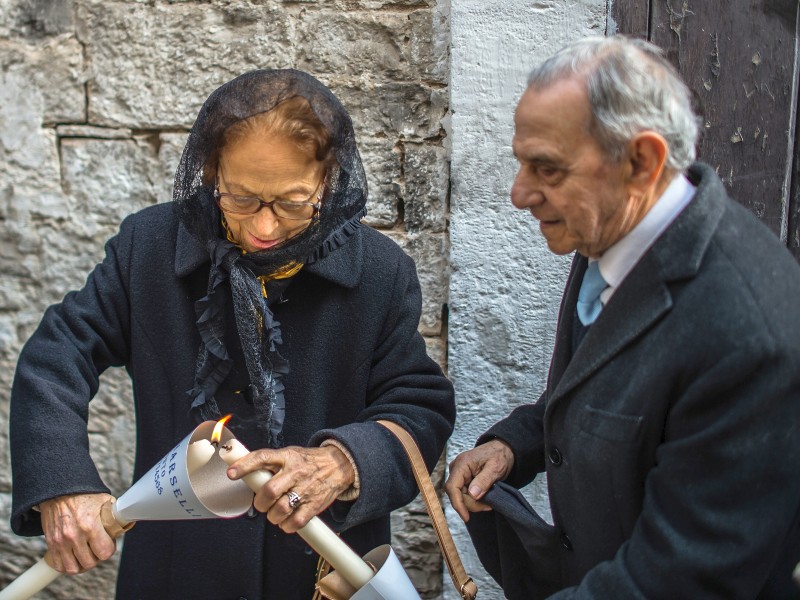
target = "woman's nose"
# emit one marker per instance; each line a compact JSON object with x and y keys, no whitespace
{"x":265,"y":222}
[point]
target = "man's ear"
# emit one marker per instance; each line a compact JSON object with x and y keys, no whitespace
{"x":647,"y":157}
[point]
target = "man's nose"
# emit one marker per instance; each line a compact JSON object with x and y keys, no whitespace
{"x":525,"y":193}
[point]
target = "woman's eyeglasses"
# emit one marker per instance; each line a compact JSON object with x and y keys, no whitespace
{"x":293,"y":210}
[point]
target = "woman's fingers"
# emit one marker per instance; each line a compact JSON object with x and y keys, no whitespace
{"x":316,"y":475}
{"x":76,"y":539}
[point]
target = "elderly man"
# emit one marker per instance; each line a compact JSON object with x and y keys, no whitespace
{"x":670,"y":426}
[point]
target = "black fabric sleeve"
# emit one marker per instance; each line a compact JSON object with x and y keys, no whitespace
{"x":56,"y":377}
{"x":523,"y":431}
{"x":405,"y":386}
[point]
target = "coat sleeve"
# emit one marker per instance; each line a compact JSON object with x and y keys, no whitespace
{"x":523,"y":431}
{"x":407,"y":387}
{"x":724,"y":494}
{"x":57,"y":375}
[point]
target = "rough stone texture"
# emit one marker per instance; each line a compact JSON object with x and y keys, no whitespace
{"x":96,"y":98}
{"x":505,"y":285}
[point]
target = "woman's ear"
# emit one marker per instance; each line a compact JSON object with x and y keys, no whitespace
{"x":647,"y":158}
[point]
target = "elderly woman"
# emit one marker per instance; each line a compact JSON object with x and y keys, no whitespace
{"x":259,"y":292}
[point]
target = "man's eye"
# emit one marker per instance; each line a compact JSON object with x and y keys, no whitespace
{"x":550,"y":175}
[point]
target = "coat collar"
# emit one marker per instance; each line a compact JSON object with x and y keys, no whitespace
{"x":644,"y":296}
{"x":342,"y":266}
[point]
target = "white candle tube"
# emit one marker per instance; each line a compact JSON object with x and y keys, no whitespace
{"x":35,"y":579}
{"x":198,"y":454}
{"x":318,"y":535}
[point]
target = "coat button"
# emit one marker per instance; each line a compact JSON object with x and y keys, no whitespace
{"x":555,"y":456}
{"x":566,"y":543}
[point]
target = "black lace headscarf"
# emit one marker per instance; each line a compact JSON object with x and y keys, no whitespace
{"x":343,"y":206}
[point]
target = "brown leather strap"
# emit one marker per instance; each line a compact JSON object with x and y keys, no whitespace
{"x":463,"y":582}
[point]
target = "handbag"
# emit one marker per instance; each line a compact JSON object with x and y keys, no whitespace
{"x":332,"y":587}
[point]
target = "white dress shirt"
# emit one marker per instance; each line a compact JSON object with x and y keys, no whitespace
{"x":619,"y":259}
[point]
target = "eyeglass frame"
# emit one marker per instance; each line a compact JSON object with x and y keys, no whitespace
{"x":268,"y":203}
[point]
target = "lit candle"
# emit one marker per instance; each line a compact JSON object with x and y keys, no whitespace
{"x":318,"y":535}
{"x":198,"y":454}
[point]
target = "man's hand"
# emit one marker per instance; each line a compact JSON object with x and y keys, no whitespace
{"x":472,"y":473}
{"x":317,"y":475}
{"x":76,"y":539}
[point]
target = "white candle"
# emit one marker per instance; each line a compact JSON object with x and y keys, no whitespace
{"x":35,"y":579}
{"x":318,"y":535}
{"x":198,"y":454}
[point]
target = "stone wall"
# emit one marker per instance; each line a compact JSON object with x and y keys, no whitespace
{"x":96,"y":97}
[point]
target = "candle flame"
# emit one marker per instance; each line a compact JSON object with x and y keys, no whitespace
{"x":217,"y":435}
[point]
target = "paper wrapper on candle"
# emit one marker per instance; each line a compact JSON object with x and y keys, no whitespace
{"x":188,"y":483}
{"x":318,"y":535}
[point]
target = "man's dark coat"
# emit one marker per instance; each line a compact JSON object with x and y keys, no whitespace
{"x":349,"y":325}
{"x":671,"y":439}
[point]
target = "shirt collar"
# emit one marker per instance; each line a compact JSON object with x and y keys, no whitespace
{"x":619,"y":259}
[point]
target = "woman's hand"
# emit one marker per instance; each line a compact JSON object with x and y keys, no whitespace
{"x":76,"y":539}
{"x":317,"y":475}
{"x":472,"y":473}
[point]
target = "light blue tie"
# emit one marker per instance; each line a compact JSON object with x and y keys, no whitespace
{"x":589,"y":305}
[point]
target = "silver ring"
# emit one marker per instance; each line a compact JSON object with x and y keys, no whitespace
{"x":294,"y":499}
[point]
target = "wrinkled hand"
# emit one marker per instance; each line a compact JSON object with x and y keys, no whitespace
{"x":472,"y":473}
{"x":317,"y":475}
{"x":76,"y":539}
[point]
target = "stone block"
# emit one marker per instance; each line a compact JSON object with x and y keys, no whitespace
{"x":427,"y":179}
{"x":112,"y":433}
{"x":382,"y":158}
{"x":429,"y":252}
{"x":410,"y":110}
{"x":46,"y":76}
{"x":37,"y":18}
{"x":5,"y":456}
{"x":386,"y":45}
{"x":104,"y":181}
{"x":155,"y":64}
{"x":437,"y":350}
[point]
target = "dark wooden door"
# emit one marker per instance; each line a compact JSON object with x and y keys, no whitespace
{"x":740,"y":59}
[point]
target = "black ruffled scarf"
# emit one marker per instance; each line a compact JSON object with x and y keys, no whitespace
{"x":259,"y":333}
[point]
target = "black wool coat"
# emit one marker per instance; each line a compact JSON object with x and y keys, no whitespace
{"x":349,"y":325}
{"x":671,"y":439}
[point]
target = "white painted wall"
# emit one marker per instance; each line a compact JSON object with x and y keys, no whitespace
{"x":505,"y":286}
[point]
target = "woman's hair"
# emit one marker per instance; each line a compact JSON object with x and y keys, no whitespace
{"x":293,"y":118}
{"x":631,"y":88}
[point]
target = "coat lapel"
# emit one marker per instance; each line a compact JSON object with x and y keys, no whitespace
{"x":644,"y":296}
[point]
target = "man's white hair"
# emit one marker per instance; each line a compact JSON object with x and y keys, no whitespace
{"x":631,"y":88}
